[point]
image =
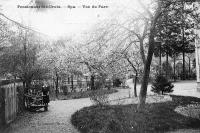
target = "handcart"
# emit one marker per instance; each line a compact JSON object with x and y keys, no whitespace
{"x":35,"y":101}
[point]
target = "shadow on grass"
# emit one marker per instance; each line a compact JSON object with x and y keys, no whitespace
{"x":156,"y":117}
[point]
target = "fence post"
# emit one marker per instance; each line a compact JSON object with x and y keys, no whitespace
{"x":2,"y":107}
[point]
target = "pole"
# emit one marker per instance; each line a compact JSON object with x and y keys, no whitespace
{"x":197,"y":56}
{"x":189,"y":68}
{"x":174,"y":67}
{"x":160,"y":60}
{"x":197,"y":50}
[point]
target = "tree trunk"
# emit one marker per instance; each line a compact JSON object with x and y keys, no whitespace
{"x":92,"y":82}
{"x":189,"y":68}
{"x":145,"y":78}
{"x":136,"y":74}
{"x":142,"y":50}
{"x":174,"y":68}
{"x":24,"y":86}
{"x":167,"y":62}
{"x":135,"y":85}
{"x":72,"y":82}
{"x":183,"y":73}
{"x":183,"y":42}
{"x":57,"y":78}
{"x":28,"y":83}
{"x":160,"y":60}
{"x":15,"y":81}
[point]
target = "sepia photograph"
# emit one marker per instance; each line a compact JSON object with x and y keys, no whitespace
{"x":99,"y":66}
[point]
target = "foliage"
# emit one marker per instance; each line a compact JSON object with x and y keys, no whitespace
{"x":117,"y":82}
{"x":99,"y":98}
{"x":111,"y":49}
{"x":167,"y":68}
{"x":5,"y":34}
{"x":83,"y":94}
{"x":175,"y":31}
{"x":20,"y":59}
{"x":162,"y":85}
{"x":156,"y":117}
{"x":100,"y":81}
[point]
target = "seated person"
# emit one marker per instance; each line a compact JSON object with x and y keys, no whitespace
{"x":45,"y":91}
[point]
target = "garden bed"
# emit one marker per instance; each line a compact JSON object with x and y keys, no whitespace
{"x":156,"y":117}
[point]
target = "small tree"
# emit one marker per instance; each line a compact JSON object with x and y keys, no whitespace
{"x":162,"y":85}
{"x":167,"y":68}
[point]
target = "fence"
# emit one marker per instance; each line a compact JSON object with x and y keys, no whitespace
{"x":8,"y":103}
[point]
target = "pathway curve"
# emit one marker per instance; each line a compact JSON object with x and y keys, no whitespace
{"x":57,"y":119}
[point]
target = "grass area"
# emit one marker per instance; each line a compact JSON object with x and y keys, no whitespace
{"x":156,"y":117}
{"x":84,"y":94}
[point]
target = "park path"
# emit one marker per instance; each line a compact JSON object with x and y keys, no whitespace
{"x":57,"y":119}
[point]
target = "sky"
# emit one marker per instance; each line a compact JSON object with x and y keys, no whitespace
{"x":56,"y":22}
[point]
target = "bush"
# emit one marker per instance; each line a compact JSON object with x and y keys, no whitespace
{"x":99,"y":98}
{"x":117,"y":82}
{"x":65,"y":89}
{"x":98,"y":85}
{"x":161,"y":85}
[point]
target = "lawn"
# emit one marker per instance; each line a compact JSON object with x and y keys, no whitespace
{"x":84,"y":94}
{"x":156,"y":117}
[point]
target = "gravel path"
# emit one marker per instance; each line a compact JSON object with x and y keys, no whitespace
{"x":56,"y":120}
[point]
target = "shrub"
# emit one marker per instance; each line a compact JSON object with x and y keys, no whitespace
{"x":117,"y":82}
{"x":99,"y":98}
{"x":98,"y":85}
{"x":65,"y":89}
{"x":161,"y":85}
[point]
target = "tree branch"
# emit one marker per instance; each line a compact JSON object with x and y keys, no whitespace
{"x":20,"y":25}
{"x":130,"y":63}
{"x":146,"y":9}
